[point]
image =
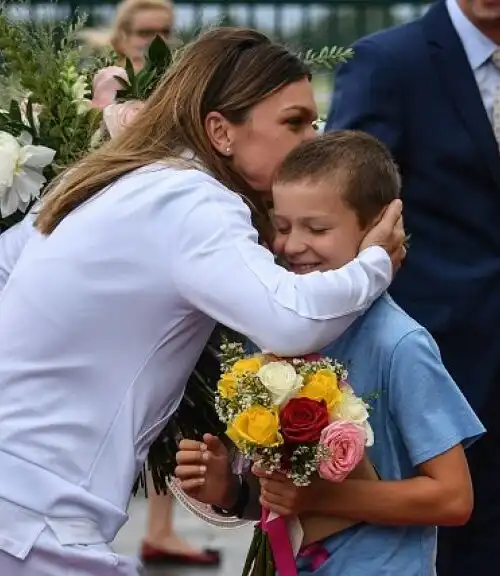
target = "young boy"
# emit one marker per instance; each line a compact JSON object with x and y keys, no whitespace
{"x":327,"y":195}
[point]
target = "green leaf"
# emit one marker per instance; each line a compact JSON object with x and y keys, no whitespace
{"x":129,"y":69}
{"x":253,"y":551}
{"x":15,"y":112}
{"x":144,"y":82}
{"x":30,"y":116}
{"x":56,"y":132}
{"x":126,"y":85}
{"x":122,"y":95}
{"x":159,"y":54}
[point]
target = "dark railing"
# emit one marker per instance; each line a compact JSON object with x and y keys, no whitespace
{"x":313,"y":23}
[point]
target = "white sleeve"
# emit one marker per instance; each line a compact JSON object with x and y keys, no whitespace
{"x":221,"y":270}
{"x":12,"y":243}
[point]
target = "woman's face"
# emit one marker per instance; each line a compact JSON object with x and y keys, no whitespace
{"x":274,"y":127}
{"x":145,"y":26}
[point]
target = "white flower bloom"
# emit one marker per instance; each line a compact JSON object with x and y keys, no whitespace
{"x":281,"y":380}
{"x":21,"y":177}
{"x":354,"y":409}
{"x":79,"y":89}
{"x":80,"y":93}
{"x":82,"y":106}
{"x":76,"y":87}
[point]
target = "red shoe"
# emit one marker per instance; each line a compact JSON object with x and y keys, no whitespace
{"x":152,"y":555}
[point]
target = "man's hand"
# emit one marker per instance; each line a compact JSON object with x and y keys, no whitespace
{"x":204,"y":472}
{"x":389,"y":233}
{"x":280,"y":495}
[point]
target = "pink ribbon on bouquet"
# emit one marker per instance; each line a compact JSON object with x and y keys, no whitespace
{"x":277,"y":531}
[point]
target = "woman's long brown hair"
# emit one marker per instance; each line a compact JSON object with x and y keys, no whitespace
{"x":227,"y":70}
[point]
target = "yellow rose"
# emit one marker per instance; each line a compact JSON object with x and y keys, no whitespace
{"x":322,"y":386}
{"x":256,"y":425}
{"x":252,"y":364}
{"x":227,"y":385}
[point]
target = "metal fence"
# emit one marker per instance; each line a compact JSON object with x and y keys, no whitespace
{"x":310,"y":24}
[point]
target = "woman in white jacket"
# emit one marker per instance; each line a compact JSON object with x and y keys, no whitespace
{"x":136,"y":255}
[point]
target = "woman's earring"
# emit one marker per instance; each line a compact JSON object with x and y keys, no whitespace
{"x":228,"y":150}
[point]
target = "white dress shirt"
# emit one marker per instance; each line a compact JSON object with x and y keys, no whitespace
{"x":102,"y":321}
{"x":479,"y":50}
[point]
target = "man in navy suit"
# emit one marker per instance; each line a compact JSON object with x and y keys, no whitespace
{"x":431,"y":91}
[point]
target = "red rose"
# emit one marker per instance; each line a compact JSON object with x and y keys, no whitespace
{"x":302,"y":420}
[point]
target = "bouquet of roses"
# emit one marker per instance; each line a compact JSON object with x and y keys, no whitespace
{"x":298,"y":416}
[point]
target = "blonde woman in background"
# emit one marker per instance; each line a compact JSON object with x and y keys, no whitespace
{"x":137,"y":24}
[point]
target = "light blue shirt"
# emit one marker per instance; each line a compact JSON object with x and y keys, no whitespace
{"x":419,"y":413}
{"x":479,"y":49}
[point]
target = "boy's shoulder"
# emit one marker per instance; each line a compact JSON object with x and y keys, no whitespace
{"x":377,"y":336}
{"x":388,"y":324}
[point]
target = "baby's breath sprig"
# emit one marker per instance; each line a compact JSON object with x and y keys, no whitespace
{"x":230,"y":353}
{"x":226,"y":409}
{"x":370,"y":399}
{"x":305,"y":460}
{"x":267,"y":458}
{"x":250,"y":392}
{"x":307,"y":368}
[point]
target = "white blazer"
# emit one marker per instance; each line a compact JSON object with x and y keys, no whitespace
{"x":102,"y":321}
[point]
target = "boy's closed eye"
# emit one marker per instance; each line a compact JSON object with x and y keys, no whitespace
{"x":318,"y":231}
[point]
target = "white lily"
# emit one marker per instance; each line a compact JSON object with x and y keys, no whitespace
{"x":21,"y":171}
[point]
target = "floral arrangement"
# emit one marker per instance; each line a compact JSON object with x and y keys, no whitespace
{"x":298,"y":416}
{"x":47,"y":121}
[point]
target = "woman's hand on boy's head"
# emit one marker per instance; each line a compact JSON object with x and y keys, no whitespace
{"x":389,"y":234}
{"x":280,"y":495}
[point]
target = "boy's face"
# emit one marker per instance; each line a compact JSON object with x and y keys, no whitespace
{"x":315,"y":229}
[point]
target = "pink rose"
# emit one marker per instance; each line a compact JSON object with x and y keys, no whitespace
{"x":105,"y":86}
{"x":117,"y":116}
{"x":346,"y":443}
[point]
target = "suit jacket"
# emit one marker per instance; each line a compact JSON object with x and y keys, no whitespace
{"x":413,"y":88}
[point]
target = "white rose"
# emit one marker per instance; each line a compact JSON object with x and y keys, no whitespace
{"x":281,"y":380}
{"x":21,"y":172}
{"x":355,"y":409}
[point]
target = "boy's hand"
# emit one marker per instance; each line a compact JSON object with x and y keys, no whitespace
{"x":280,"y":495}
{"x":204,"y":472}
{"x":389,"y":233}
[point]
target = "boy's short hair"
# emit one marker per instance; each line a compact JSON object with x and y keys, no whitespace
{"x":360,"y":163}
